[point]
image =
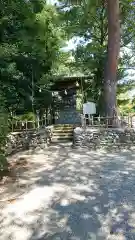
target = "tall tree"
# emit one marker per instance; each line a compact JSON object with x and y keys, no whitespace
{"x":88,"y":21}
{"x":110,"y":81}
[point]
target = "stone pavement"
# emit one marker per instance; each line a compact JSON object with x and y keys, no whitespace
{"x":71,"y":194}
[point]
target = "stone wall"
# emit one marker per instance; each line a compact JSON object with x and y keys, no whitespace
{"x":18,"y":141}
{"x":104,"y":138}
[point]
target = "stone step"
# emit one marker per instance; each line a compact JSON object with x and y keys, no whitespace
{"x":63,"y":133}
{"x":63,"y":136}
{"x":63,"y":128}
{"x":61,"y":139}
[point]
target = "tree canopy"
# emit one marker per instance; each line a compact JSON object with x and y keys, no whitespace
{"x":32,"y":34}
{"x":87,"y":20}
{"x":30,"y":39}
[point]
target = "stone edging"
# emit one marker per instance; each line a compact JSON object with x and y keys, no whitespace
{"x":103,"y":138}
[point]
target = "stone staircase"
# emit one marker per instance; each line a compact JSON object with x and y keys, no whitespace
{"x":62,"y":133}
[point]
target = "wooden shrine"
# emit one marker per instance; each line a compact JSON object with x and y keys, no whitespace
{"x":65,"y":100}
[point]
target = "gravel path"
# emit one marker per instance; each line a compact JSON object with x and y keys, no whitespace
{"x":71,"y":194}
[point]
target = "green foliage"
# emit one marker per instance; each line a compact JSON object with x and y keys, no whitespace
{"x":30,"y":39}
{"x":30,"y":116}
{"x":32,"y":34}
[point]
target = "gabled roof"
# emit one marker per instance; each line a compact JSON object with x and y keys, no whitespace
{"x":70,"y":78}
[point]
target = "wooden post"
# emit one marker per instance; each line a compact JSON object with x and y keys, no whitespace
{"x":83,"y":121}
{"x":89,"y":118}
{"x":45,"y":120}
{"x":26,"y":125}
{"x":131,"y":121}
{"x":37,"y":118}
{"x":12,"y":127}
{"x":92,"y":121}
{"x":128,"y":120}
{"x":99,"y":118}
{"x":107,"y":123}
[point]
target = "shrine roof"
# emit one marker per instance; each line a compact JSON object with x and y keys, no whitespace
{"x":57,"y":79}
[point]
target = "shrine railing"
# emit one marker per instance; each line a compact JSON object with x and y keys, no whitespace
{"x":106,"y":122}
{"x":18,"y":126}
{"x":85,"y":120}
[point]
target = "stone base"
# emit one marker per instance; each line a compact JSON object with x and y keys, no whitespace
{"x":104,"y":138}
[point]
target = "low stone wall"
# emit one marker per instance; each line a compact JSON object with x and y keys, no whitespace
{"x":104,"y":138}
{"x":18,"y":141}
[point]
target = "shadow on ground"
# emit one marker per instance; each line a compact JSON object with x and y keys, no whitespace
{"x":89,"y":195}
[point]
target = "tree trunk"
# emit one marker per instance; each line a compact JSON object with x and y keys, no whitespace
{"x":110,"y":80}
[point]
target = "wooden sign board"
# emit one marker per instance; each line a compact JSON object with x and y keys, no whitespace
{"x":89,"y":108}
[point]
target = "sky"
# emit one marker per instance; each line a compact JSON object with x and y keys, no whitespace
{"x":72,"y":43}
{"x":52,"y":1}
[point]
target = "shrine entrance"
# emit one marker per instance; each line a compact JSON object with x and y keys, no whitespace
{"x":64,"y":102}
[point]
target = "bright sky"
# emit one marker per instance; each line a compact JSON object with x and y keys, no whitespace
{"x":52,"y":1}
{"x":72,"y":43}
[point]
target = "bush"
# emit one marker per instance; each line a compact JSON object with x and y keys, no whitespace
{"x":25,"y":117}
{"x":16,"y":122}
{"x":28,"y":117}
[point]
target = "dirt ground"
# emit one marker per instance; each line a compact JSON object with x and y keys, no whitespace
{"x":69,"y":194}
